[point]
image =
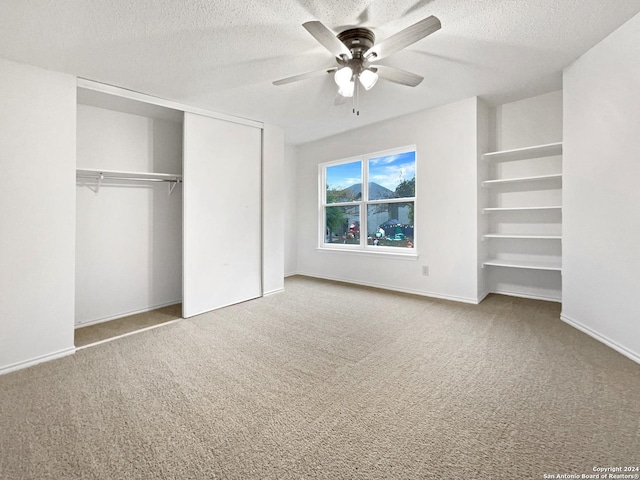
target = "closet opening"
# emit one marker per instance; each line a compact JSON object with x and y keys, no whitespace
{"x":128,"y":216}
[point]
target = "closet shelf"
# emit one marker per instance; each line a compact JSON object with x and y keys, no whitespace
{"x":501,"y":181}
{"x":538,"y":151}
{"x":118,"y":175}
{"x":555,"y":266}
{"x":100,"y":175}
{"x":530,"y":237}
{"x":513,"y":209}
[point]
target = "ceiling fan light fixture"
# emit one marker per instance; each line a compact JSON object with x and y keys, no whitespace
{"x":347,"y":89}
{"x":343,"y":77}
{"x":368,"y":79}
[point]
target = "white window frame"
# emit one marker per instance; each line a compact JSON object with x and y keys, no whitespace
{"x":363,"y":247}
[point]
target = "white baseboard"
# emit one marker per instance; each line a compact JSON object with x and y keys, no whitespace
{"x":528,"y":295}
{"x":88,"y":323}
{"x":273,"y":292}
{"x":601,"y":338}
{"x":484,"y":295}
{"x":473,"y":301}
{"x":34,"y":361}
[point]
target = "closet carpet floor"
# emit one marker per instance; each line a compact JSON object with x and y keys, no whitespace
{"x":330,"y":381}
{"x":102,"y":331}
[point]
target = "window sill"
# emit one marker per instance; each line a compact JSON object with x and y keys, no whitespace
{"x":369,"y":253}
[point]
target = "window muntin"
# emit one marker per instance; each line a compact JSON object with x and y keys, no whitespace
{"x":369,"y":203}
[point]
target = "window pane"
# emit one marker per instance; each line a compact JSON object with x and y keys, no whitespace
{"x":344,"y":182}
{"x":390,"y":224}
{"x":342,"y":224}
{"x":392,"y":176}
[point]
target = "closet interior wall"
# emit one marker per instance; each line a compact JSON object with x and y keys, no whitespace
{"x":128,"y":232}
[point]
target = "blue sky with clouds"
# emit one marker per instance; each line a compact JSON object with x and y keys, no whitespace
{"x":388,"y":171}
{"x":392,"y":170}
{"x":345,"y":175}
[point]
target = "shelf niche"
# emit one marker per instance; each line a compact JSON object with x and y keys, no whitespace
{"x":523,"y":220}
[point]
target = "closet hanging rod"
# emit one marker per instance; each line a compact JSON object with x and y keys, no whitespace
{"x":137,"y":179}
{"x":100,"y":176}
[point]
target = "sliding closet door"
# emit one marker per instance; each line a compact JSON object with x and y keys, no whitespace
{"x":222,"y":214}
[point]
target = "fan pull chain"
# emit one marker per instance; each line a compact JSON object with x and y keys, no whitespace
{"x":355,"y":93}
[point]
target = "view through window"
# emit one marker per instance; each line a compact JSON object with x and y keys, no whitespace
{"x":369,"y":203}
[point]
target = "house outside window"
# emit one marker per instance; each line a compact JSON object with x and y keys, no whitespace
{"x":368,"y":202}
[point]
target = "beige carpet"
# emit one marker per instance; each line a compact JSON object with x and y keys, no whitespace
{"x":122,"y":326}
{"x":330,"y":381}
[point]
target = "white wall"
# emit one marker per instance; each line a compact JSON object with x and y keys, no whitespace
{"x":37,"y":212}
{"x":446,"y":140}
{"x":602,"y":190}
{"x":273,"y":209}
{"x":290,"y":184}
{"x":129,"y":235}
{"x":532,"y":121}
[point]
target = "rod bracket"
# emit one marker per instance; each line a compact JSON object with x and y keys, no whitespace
{"x":172,"y":185}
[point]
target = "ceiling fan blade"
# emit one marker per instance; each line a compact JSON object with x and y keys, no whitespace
{"x":327,"y":38}
{"x":403,"y":38}
{"x":304,"y":76}
{"x":396,"y":75}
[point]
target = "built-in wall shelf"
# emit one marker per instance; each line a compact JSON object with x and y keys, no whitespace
{"x":554,"y":266}
{"x":506,"y":181}
{"x":100,"y":175}
{"x":528,"y":237}
{"x":538,"y":151}
{"x":522,"y":197}
{"x":515,"y":209}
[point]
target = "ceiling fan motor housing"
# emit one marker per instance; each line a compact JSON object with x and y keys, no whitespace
{"x":357,"y":40}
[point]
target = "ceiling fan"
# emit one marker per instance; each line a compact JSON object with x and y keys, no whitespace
{"x":357,"y":53}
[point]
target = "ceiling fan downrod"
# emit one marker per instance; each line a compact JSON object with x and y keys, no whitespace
{"x":358,"y":41}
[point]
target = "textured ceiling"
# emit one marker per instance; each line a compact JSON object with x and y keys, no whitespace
{"x":224,"y":54}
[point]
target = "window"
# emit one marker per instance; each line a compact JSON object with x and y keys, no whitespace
{"x":368,"y":203}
